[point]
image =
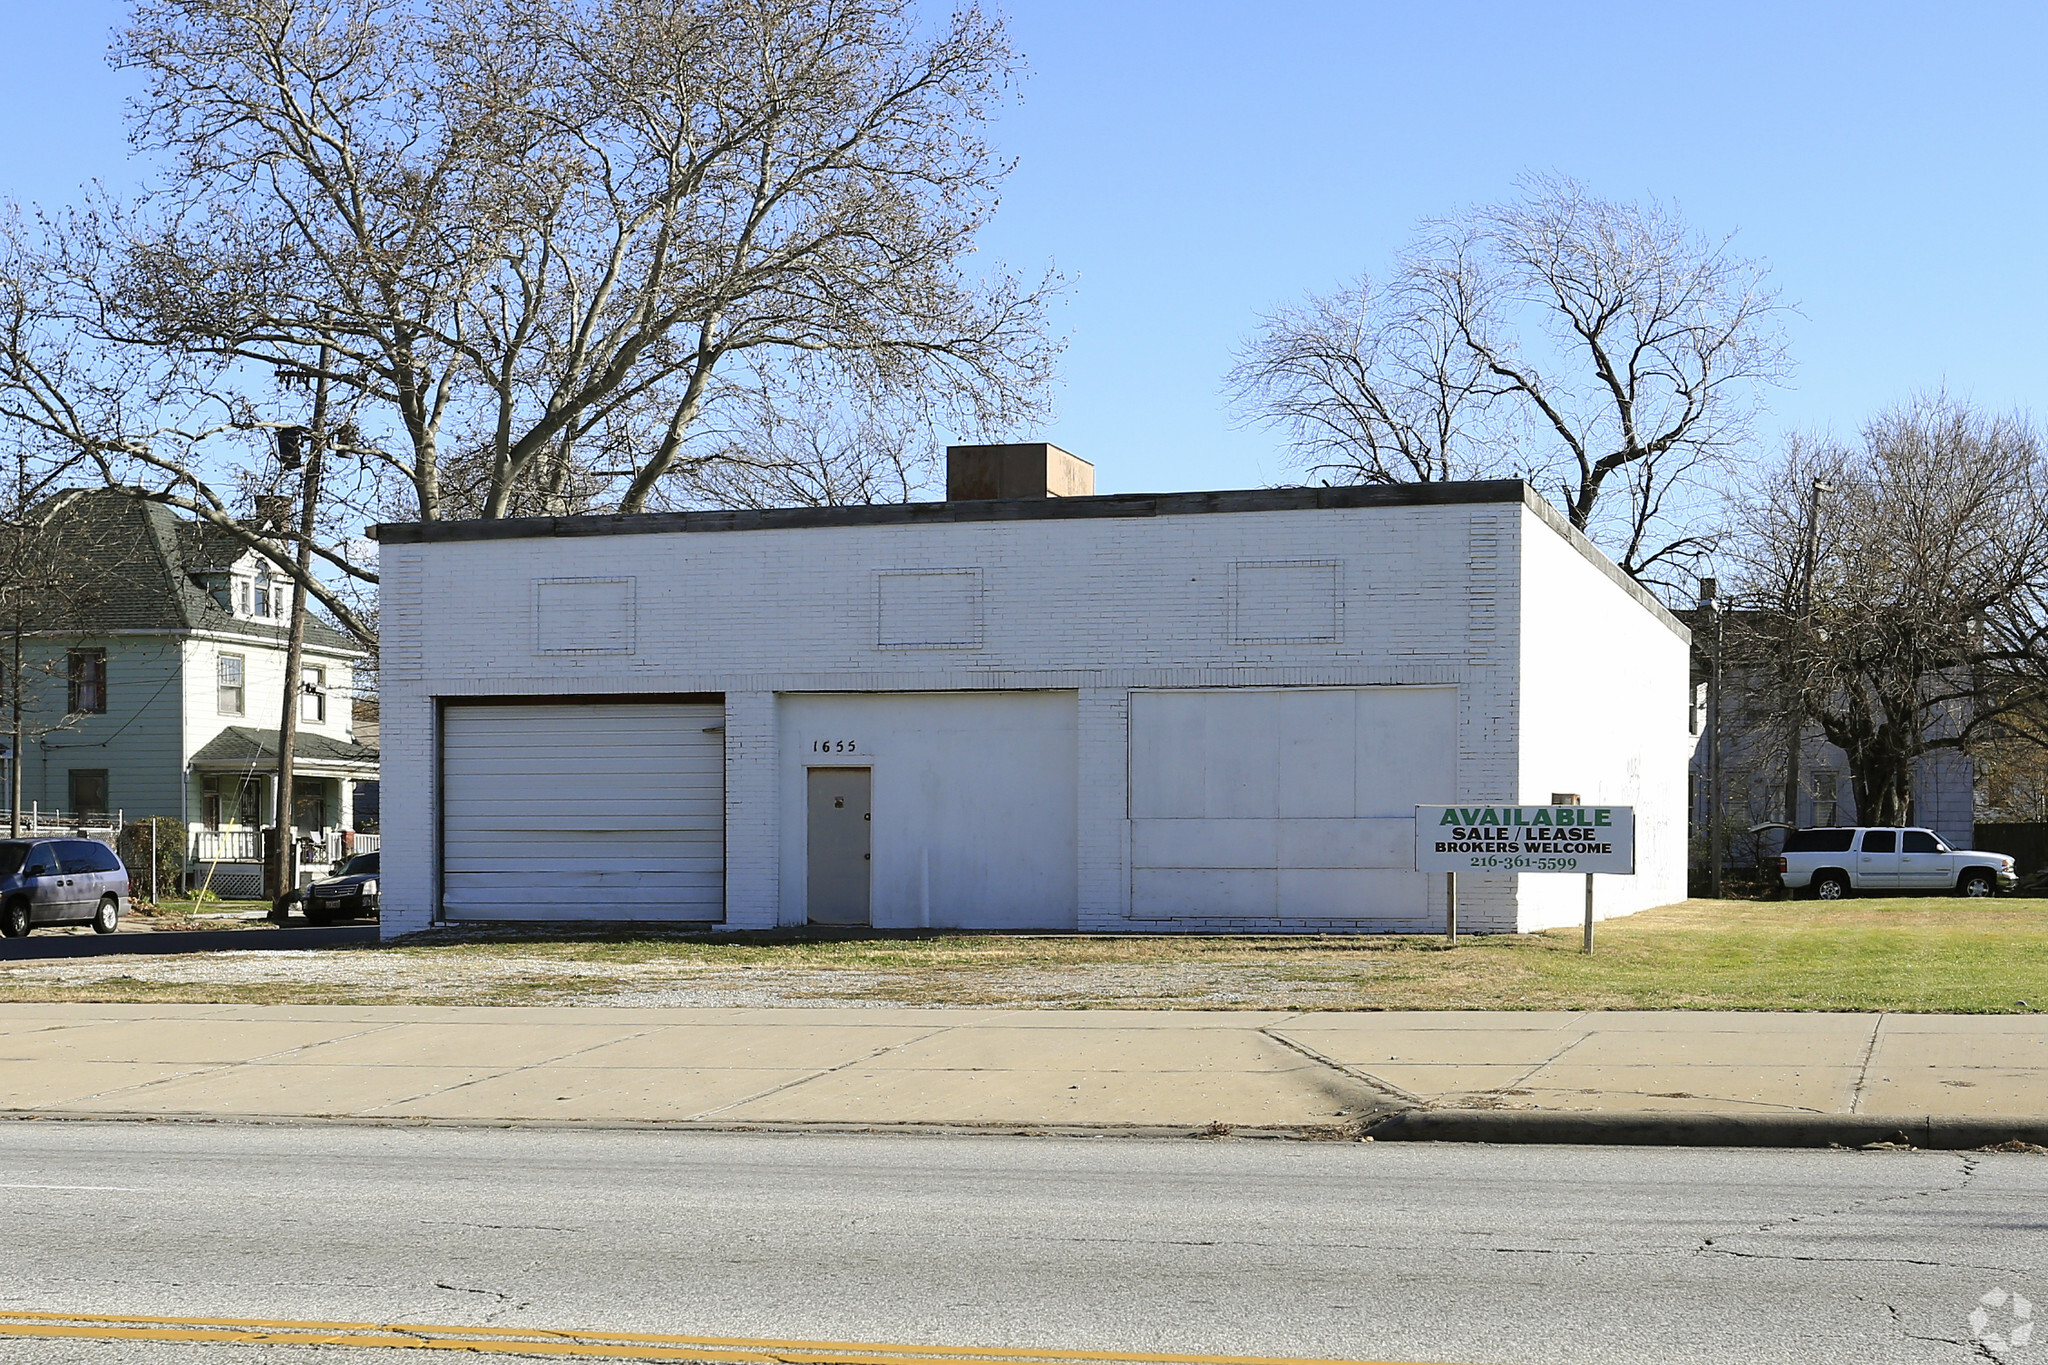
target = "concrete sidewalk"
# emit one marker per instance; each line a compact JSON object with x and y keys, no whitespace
{"x":1326,"y":1073}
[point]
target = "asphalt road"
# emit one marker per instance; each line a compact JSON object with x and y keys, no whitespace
{"x":47,"y":943}
{"x":1361,"y":1251}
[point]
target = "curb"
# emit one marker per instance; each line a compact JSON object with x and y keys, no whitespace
{"x":1934,"y":1132}
{"x":1929,"y":1132}
{"x":784,"y":1127}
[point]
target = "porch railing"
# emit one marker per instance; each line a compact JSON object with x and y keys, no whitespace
{"x":246,"y":845}
{"x":227,"y":846}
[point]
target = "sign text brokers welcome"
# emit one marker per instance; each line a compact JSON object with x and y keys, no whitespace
{"x":1500,"y":839}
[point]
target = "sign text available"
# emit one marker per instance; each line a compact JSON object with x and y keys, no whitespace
{"x":1525,"y":838}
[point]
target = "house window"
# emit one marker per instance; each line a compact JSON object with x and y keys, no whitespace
{"x":313,"y":694}
{"x":1827,"y":796}
{"x":267,"y":594}
{"x":229,"y":677}
{"x":88,"y":791}
{"x":309,"y":802}
{"x":88,"y":670}
{"x":242,"y":587}
{"x":1736,"y":791}
{"x":229,"y":799}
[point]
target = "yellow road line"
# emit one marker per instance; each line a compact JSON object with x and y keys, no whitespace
{"x":569,"y":1344}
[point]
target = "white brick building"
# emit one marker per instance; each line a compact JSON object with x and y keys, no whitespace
{"x":1199,"y":711}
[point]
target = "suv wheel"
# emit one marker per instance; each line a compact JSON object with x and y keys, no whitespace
{"x":14,"y":919}
{"x":1977,"y":882}
{"x":1830,"y":886}
{"x":107,"y":918}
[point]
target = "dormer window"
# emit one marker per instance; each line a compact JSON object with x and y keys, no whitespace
{"x":242,"y":591}
{"x":263,"y":593}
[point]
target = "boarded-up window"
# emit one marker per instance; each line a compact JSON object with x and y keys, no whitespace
{"x":928,"y":608}
{"x":583,"y":616}
{"x":1297,"y":803}
{"x":1298,"y":601}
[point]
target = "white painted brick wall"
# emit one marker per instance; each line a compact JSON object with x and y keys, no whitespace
{"x":752,"y":856}
{"x":1430,"y":595}
{"x":1602,"y":714}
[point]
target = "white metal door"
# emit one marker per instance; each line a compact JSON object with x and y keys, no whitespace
{"x":583,"y":811}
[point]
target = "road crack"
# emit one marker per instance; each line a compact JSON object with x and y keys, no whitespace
{"x":506,"y":1303}
{"x":1977,"y":1349}
{"x":1968,"y":1173}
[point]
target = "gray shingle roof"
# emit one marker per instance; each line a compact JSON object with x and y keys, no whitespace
{"x":243,"y":745}
{"x":132,"y":562}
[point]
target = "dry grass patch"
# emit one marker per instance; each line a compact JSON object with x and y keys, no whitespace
{"x":1923,"y":954}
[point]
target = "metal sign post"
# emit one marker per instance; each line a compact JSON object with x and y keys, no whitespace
{"x":1589,"y":912}
{"x":1504,"y":837}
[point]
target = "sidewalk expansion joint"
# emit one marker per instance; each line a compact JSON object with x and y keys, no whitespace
{"x":1521,"y":1081}
{"x":1863,"y":1068}
{"x":215,"y":1068}
{"x":884,"y":1050}
{"x":524,"y":1066}
{"x":1365,"y":1078}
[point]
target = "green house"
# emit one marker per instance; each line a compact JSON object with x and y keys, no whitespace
{"x":152,"y":682}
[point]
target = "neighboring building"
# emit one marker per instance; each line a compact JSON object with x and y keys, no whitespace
{"x":366,"y":802}
{"x":157,"y":680}
{"x":1753,"y":772}
{"x":1197,"y":711}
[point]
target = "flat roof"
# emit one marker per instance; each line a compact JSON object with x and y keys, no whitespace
{"x":1111,"y":505}
{"x":979,"y":509}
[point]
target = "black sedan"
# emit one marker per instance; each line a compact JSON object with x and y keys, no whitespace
{"x":351,"y":891}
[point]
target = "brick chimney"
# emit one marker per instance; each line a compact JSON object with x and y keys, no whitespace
{"x":1030,"y":469}
{"x":273,"y":514}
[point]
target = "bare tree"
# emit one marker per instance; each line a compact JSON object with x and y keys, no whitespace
{"x":1588,"y":345}
{"x":1370,"y":386}
{"x":818,"y":449}
{"x":535,"y":234}
{"x":147,"y":421}
{"x":1933,"y":536}
{"x":47,"y":598}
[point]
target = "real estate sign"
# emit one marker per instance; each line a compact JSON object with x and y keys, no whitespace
{"x":1509,"y":838}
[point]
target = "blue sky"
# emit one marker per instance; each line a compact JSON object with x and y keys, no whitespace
{"x":1189,"y":165}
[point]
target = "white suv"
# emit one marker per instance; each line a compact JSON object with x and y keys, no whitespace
{"x":1835,"y":862}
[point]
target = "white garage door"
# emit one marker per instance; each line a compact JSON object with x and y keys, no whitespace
{"x":572,"y":811}
{"x":1288,"y":803}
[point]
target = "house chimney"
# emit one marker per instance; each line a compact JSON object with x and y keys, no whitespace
{"x":273,"y":514}
{"x":1030,"y":469}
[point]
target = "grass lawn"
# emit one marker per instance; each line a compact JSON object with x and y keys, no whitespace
{"x":212,"y":913}
{"x":1923,"y":954}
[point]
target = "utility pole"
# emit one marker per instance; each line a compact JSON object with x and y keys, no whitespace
{"x":14,"y":730}
{"x":1795,"y":724}
{"x":1710,"y":603}
{"x":295,"y":648}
